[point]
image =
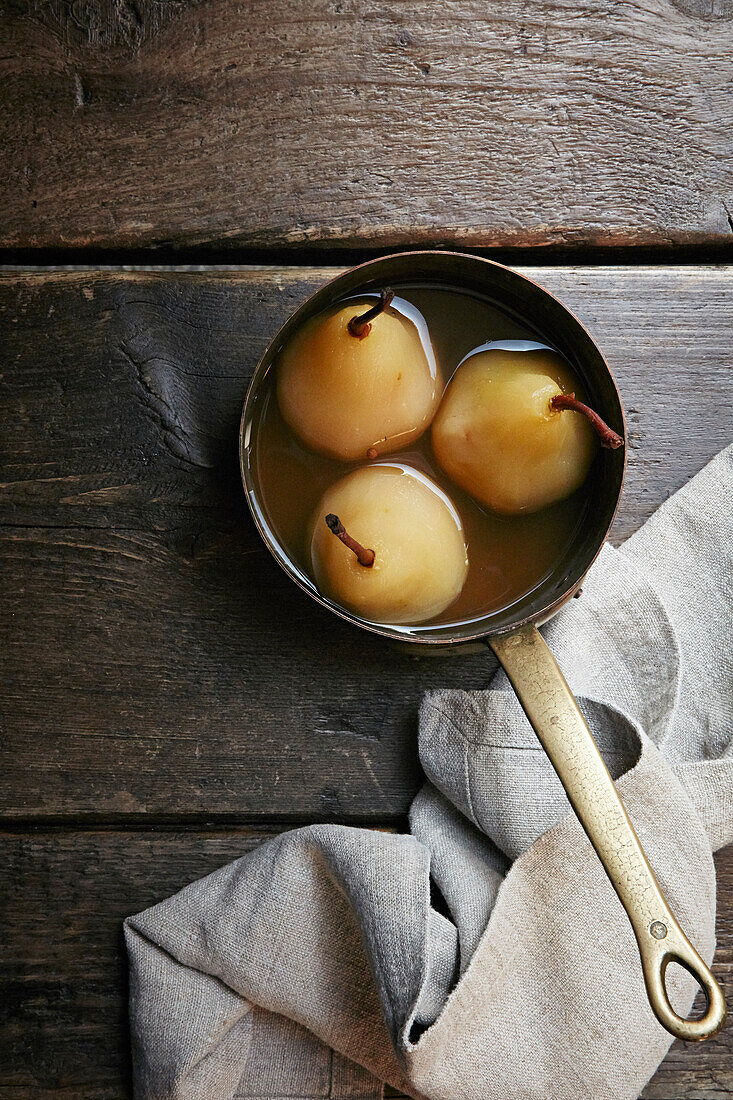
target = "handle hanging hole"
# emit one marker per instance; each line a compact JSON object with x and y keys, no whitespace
{"x":676,"y":993}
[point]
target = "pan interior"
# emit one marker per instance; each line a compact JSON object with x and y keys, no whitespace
{"x":554,"y":325}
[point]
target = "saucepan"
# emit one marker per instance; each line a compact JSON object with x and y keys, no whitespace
{"x":512,"y":634}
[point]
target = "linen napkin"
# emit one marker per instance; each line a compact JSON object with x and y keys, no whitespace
{"x":485,"y":954}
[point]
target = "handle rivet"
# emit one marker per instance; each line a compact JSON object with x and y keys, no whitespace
{"x":658,"y":930}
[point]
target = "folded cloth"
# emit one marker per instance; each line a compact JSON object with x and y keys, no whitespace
{"x":485,"y":955}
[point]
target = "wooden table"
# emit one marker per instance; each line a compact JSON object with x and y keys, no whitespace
{"x":168,"y":697}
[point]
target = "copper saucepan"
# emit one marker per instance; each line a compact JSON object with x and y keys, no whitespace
{"x":512,"y":634}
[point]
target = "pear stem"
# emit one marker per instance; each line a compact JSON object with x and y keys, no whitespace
{"x":366,"y":557}
{"x":608,"y":437}
{"x":361,"y":326}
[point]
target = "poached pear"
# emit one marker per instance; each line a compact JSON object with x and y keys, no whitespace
{"x":511,"y":432}
{"x":359,"y":380}
{"x":387,"y":544}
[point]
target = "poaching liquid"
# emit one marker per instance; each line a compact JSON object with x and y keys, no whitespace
{"x":508,"y":556}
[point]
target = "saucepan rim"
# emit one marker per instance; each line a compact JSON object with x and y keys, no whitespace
{"x":450,"y":634}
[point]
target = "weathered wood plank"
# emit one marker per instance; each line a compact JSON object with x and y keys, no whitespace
{"x":156,"y":661}
{"x":63,"y":1028}
{"x":142,"y":676}
{"x":123,"y":391}
{"x":344,"y":123}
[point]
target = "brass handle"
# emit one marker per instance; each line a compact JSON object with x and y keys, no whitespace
{"x":553,"y":712}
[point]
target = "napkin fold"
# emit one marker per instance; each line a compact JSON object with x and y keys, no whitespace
{"x":485,"y":954}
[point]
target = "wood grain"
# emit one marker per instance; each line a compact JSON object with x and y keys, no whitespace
{"x":63,"y":1027}
{"x":345,"y":123}
{"x":156,"y":660}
